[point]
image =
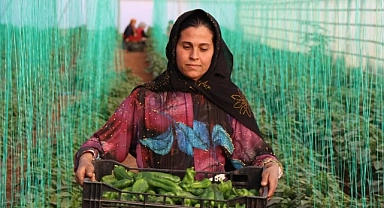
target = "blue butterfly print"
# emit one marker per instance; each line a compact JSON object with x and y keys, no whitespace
{"x":188,"y":138}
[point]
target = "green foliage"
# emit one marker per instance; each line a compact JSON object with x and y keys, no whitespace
{"x":121,"y":87}
{"x":322,"y":119}
{"x":157,"y":61}
{"x":45,"y":104}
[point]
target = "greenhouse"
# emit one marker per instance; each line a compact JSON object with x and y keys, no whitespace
{"x":312,"y":70}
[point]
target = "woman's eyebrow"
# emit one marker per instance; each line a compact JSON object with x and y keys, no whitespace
{"x":188,"y":42}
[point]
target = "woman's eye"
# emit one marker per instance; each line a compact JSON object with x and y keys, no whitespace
{"x":204,"y":49}
{"x":186,"y":47}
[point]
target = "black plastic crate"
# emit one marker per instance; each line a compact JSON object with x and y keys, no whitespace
{"x":248,"y":177}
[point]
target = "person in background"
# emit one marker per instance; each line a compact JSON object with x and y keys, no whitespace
{"x":130,"y":32}
{"x":192,"y":115}
{"x":141,"y":35}
{"x":169,"y":27}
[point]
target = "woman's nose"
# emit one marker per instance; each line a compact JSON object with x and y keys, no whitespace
{"x":194,"y":54}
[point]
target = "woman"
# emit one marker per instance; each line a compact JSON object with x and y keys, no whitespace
{"x":141,"y":31}
{"x":141,"y":36}
{"x":191,"y":115}
{"x":169,"y":27}
{"x":130,"y":31}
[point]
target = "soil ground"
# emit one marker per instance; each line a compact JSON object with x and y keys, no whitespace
{"x":137,"y":62}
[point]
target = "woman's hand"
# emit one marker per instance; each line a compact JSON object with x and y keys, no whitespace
{"x":270,"y":177}
{"x":85,"y":169}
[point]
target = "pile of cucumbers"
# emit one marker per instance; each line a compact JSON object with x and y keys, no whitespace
{"x":166,"y":188}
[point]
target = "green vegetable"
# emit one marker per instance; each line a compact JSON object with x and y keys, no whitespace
{"x":169,"y":201}
{"x":218,"y":196}
{"x":110,"y":195}
{"x":151,"y":194}
{"x":121,"y":173}
{"x":204,"y":183}
{"x":127,"y":188}
{"x":185,"y":186}
{"x":165,"y":188}
{"x":144,"y":175}
{"x":240,"y":205}
{"x":187,"y":202}
{"x":108,"y":179}
{"x":189,"y":176}
{"x":187,"y":194}
{"x":232,"y":196}
{"x":173,"y":178}
{"x":243,"y":192}
{"x":196,"y":192}
{"x":228,"y":193}
{"x":160,"y":200}
{"x":123,"y":183}
{"x":225,"y":186}
{"x":253,"y":192}
{"x":127,"y":196}
{"x":163,"y":184}
{"x":221,"y":205}
{"x":150,"y":191}
{"x":164,"y":192}
{"x":210,"y":195}
{"x":140,"y":186}
{"x":188,"y":198}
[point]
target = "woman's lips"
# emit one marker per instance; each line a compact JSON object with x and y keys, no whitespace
{"x":193,"y":65}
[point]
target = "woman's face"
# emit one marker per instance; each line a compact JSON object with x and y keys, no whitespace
{"x":194,"y":51}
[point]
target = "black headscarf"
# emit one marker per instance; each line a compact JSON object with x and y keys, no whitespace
{"x":216,"y":84}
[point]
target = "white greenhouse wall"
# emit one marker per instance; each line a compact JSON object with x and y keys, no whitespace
{"x":354,"y":28}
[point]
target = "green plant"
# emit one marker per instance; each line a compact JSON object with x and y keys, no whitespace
{"x":321,"y":118}
{"x":157,"y":61}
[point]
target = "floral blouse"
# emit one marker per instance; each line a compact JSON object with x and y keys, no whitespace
{"x":177,"y":130}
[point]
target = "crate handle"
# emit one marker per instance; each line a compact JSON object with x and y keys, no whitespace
{"x":265,"y":192}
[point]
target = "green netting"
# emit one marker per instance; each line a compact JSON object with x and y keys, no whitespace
{"x":57,"y":61}
{"x":312,"y":70}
